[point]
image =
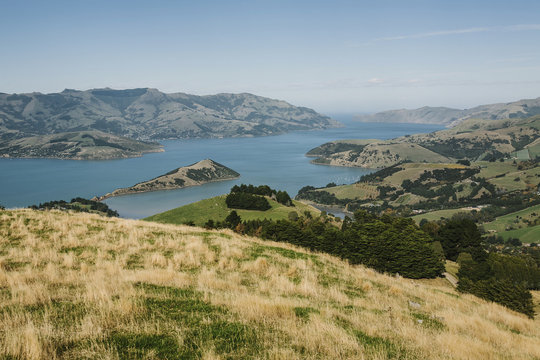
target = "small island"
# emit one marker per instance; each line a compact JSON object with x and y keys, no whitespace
{"x":200,"y":173}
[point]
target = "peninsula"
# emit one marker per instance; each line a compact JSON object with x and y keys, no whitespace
{"x":200,"y":173}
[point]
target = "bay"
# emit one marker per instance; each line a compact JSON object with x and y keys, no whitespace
{"x":278,"y":161}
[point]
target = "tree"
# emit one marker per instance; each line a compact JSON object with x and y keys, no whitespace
{"x":293,"y":216}
{"x":460,"y":235}
{"x":283,"y":198}
{"x":233,"y":219}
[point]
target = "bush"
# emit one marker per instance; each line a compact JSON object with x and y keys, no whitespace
{"x":247,"y":201}
{"x":503,"y":292}
{"x":293,"y":216}
{"x":460,"y":235}
{"x":504,"y":279}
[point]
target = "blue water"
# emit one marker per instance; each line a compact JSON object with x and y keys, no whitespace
{"x":278,"y":161}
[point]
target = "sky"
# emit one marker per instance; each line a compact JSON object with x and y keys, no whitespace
{"x":333,"y":56}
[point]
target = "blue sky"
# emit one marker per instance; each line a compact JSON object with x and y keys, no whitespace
{"x":334,"y":56}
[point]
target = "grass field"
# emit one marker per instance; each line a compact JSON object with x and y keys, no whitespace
{"x":81,"y":286}
{"x":437,"y":215}
{"x":491,"y":169}
{"x":516,"y":225}
{"x":502,"y":223}
{"x":354,"y":191}
{"x":526,"y":235}
{"x":412,"y":171}
{"x":534,"y":148}
{"x":517,"y":180}
{"x":216,"y":209}
{"x":522,"y":155}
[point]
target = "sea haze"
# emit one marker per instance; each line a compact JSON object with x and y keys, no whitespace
{"x":278,"y":161}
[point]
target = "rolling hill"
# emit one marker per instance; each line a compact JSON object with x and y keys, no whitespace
{"x":78,"y":286}
{"x":451,"y":117}
{"x":216,"y":209}
{"x":473,"y":139}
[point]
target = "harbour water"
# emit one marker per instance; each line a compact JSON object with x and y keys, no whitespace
{"x":278,"y":161}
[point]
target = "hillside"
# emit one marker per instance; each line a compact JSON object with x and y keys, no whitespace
{"x":216,"y":209}
{"x":473,"y":139}
{"x":112,"y":288}
{"x":150,"y":114}
{"x":78,"y":145}
{"x":451,"y":117}
{"x":200,"y":173}
{"x":501,"y":195}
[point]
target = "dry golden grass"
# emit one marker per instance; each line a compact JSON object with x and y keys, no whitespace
{"x":78,"y":286}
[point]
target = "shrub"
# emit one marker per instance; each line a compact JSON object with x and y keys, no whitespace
{"x":247,"y":201}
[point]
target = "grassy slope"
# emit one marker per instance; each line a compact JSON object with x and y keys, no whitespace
{"x":216,"y":209}
{"x":520,"y":229}
{"x":526,"y":235}
{"x":437,"y":215}
{"x":84,"y":286}
{"x":353,"y":191}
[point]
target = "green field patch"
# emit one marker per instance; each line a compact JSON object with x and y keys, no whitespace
{"x":61,"y":314}
{"x":491,"y":169}
{"x":440,"y":214}
{"x":522,"y":154}
{"x":521,"y":224}
{"x":525,"y":235}
{"x":376,"y":343}
{"x":353,"y":191}
{"x":216,"y":209}
{"x":13,"y":265}
{"x":77,"y":250}
{"x":206,"y":325}
{"x":428,"y":321}
{"x":303,"y":313}
{"x":134,"y":261}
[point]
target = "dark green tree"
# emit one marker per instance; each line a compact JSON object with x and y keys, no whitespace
{"x":233,"y":219}
{"x":460,"y":235}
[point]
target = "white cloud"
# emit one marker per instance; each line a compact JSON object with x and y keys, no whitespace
{"x":433,"y":33}
{"x":508,"y":28}
{"x":375,"y":81}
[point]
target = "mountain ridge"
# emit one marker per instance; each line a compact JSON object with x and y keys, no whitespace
{"x":451,"y":117}
{"x":147,"y":113}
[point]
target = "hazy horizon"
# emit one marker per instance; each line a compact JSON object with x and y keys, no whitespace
{"x":339,"y":57}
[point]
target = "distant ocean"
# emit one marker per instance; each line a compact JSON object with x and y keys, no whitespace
{"x":277,"y":161}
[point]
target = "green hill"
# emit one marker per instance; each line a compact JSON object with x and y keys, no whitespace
{"x":82,"y":286}
{"x":474,"y":139}
{"x":523,"y":224}
{"x":216,"y":209}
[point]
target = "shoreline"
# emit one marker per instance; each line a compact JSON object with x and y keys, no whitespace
{"x":111,"y":195}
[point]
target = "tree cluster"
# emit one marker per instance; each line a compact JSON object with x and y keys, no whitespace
{"x":505,"y":279}
{"x":387,"y":244}
{"x":281,"y":197}
{"x":77,"y":204}
{"x":240,"y":200}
